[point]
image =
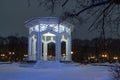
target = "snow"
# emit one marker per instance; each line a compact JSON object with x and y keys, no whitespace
{"x":53,"y":71}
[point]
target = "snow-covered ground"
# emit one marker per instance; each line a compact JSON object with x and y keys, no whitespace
{"x":54,"y":72}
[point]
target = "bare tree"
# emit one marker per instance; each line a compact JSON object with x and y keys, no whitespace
{"x":71,"y":10}
{"x":100,"y":15}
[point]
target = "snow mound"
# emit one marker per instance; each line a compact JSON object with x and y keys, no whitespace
{"x":10,"y":65}
{"x":52,"y":64}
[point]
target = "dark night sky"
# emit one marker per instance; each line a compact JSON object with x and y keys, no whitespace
{"x":13,"y":13}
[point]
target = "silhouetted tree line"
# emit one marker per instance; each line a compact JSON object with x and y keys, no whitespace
{"x":95,"y":50}
{"x":13,"y":48}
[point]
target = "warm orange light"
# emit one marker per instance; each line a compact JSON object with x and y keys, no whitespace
{"x":25,"y":55}
{"x":104,"y":55}
{"x":92,"y":57}
{"x":115,"y":58}
{"x":50,"y":56}
{"x":10,"y":53}
{"x":2,"y":55}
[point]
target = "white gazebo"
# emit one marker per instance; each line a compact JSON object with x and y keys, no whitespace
{"x":45,"y":30}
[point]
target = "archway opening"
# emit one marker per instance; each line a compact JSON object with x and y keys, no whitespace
{"x":51,"y":51}
{"x":48,"y":52}
{"x":63,"y":50}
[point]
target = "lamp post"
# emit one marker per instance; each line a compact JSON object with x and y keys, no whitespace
{"x":115,"y":58}
{"x":104,"y":57}
{"x":92,"y":58}
{"x":25,"y":57}
{"x":3,"y":57}
{"x":11,"y":56}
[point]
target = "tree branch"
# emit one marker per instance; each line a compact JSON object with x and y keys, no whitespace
{"x":53,"y":5}
{"x":91,"y":6}
{"x":65,"y":3}
{"x":99,"y":16}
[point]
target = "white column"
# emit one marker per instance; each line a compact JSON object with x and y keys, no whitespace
{"x":68,"y":49}
{"x":58,"y":48}
{"x":45,"y":51}
{"x":32,"y":55}
{"x":39,"y":46}
{"x":34,"y":49}
{"x":29,"y":47}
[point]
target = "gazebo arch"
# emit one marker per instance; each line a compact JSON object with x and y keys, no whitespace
{"x":45,"y":30}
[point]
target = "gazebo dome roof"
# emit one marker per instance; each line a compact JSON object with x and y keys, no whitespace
{"x":42,"y":20}
{"x":46,"y":20}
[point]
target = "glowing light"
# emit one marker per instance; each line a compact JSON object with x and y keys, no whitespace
{"x":25,"y":55}
{"x":63,"y":54}
{"x":13,"y":52}
{"x":104,"y":55}
{"x":2,"y":55}
{"x":50,"y":56}
{"x":115,"y":58}
{"x":53,"y":27}
{"x":10,"y":53}
{"x":71,"y":52}
{"x":48,"y":34}
{"x":92,"y":57}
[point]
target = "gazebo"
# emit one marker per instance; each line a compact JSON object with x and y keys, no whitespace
{"x":44,"y":30}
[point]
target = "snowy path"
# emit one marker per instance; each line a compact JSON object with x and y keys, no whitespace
{"x":82,"y":72}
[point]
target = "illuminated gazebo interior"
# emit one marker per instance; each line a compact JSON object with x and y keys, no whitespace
{"x":45,"y":31}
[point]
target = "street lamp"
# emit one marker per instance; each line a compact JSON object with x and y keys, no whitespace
{"x":13,"y":53}
{"x":10,"y":53}
{"x":71,"y":52}
{"x":115,"y":58}
{"x":25,"y":55}
{"x":11,"y":56}
{"x":104,"y":55}
{"x":2,"y":55}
